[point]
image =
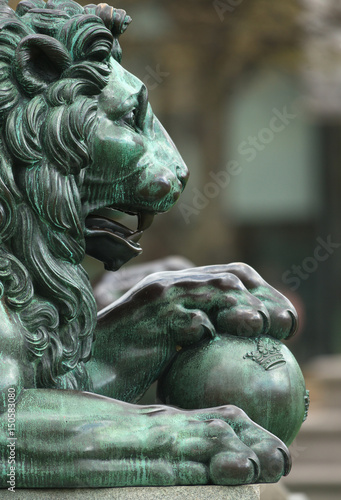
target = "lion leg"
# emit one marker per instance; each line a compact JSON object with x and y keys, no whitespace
{"x":75,"y":439}
{"x":139,"y":335}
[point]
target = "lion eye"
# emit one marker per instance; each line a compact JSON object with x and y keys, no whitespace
{"x":131,"y":119}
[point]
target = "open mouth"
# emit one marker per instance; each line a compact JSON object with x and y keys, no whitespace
{"x":111,"y":242}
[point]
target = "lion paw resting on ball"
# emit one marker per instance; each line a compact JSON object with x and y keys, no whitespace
{"x":77,"y":136}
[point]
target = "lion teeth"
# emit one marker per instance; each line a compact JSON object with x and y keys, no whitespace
{"x":144,"y":221}
{"x":135,"y":237}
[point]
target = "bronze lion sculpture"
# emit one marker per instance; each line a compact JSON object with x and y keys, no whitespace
{"x":78,"y":135}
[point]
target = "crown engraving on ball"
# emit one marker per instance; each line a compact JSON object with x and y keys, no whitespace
{"x":268,"y":354}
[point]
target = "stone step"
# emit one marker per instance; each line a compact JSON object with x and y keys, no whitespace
{"x":324,"y":373}
{"x":319,"y":440}
{"x":250,"y":492}
{"x":316,"y":451}
{"x":316,"y":481}
{"x":279,"y":492}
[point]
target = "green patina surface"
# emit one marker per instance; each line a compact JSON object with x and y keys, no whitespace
{"x":79,"y":142}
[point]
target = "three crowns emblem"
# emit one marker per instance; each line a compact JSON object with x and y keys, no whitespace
{"x":268,"y":354}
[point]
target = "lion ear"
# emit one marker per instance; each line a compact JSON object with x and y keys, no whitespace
{"x":39,"y":61}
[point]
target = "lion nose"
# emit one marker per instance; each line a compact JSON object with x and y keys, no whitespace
{"x":182,"y":174}
{"x":162,"y":187}
{"x":158,"y":190}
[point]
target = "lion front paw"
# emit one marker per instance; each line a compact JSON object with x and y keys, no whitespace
{"x":238,"y":301}
{"x":218,"y":445}
{"x":251,"y":454}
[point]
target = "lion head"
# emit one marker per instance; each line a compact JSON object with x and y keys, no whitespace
{"x":77,"y":135}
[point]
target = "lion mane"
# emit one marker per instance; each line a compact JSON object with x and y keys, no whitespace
{"x":46,"y":121}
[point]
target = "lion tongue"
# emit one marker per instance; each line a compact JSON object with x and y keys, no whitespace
{"x":110,"y":242}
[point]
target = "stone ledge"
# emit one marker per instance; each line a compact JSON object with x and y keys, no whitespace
{"x":156,"y":493}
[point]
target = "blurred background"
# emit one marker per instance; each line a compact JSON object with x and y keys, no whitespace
{"x":250,"y":91}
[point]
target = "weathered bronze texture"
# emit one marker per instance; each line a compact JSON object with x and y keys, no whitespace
{"x":78,"y":135}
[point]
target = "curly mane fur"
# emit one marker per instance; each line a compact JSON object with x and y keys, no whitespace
{"x":44,"y":150}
